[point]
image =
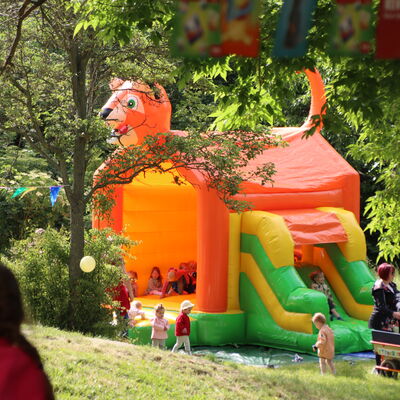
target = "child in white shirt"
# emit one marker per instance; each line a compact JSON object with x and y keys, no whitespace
{"x":135,"y":310}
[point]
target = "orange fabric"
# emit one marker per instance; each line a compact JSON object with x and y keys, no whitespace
{"x":212,"y":247}
{"x":307,"y":166}
{"x":313,"y":226}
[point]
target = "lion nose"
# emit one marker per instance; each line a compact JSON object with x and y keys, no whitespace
{"x":105,"y":112}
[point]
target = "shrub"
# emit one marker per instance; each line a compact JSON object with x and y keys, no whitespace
{"x":40,"y":263}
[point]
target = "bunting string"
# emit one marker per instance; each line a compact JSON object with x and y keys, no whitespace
{"x":21,"y":191}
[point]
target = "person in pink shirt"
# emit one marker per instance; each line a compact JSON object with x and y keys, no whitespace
{"x":182,"y":327}
{"x":160,"y":326}
{"x":21,"y":370}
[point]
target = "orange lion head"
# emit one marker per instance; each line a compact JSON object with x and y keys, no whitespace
{"x":134,"y":111}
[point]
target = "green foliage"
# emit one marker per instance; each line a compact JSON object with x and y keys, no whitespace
{"x":221,"y":158}
{"x":239,"y":93}
{"x":20,"y":216}
{"x":41,"y":265}
{"x":119,"y":19}
{"x":192,"y":106}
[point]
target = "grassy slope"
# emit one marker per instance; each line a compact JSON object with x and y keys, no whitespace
{"x":81,"y":367}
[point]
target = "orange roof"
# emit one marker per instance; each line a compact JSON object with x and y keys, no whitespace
{"x":304,"y":165}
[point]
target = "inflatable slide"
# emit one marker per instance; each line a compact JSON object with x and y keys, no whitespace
{"x":275,"y":293}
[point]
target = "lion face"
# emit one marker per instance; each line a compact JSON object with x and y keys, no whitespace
{"x":134,"y":111}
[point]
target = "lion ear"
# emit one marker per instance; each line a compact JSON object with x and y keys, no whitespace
{"x":115,"y":83}
{"x":162,"y":94}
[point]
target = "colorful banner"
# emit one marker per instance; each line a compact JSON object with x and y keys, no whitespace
{"x":30,"y":189}
{"x":293,"y":26}
{"x":351,"y":32}
{"x":197,"y":28}
{"x":216,"y":28}
{"x":19,"y":191}
{"x":388,"y":30}
{"x":240,"y":27}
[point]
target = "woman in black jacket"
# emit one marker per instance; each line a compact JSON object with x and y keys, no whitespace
{"x":385,"y":296}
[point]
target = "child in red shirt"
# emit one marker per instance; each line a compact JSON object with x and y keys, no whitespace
{"x":182,"y":327}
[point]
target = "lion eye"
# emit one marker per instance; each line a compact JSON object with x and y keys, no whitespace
{"x":132,"y":102}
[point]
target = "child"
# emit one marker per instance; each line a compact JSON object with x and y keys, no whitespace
{"x":136,"y":309}
{"x":318,"y":283}
{"x":325,"y":343}
{"x":160,"y":327}
{"x":155,"y":282}
{"x":175,"y":283}
{"x":182,"y":327}
{"x":190,"y":267}
{"x":121,"y":297}
{"x":133,"y":277}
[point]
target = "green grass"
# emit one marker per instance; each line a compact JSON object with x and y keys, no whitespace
{"x":82,"y":367}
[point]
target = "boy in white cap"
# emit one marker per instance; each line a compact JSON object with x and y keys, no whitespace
{"x":182,"y":327}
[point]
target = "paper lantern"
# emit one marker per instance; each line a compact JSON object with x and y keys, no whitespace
{"x":87,"y":264}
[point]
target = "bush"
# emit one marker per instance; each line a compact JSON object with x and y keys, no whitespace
{"x":40,"y":263}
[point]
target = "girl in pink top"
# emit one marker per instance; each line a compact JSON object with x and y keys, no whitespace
{"x":159,"y":332}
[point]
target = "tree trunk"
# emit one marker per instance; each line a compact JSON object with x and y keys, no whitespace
{"x":77,"y":197}
{"x":77,"y":245}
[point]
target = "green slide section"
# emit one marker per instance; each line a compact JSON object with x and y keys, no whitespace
{"x":291,"y":289}
{"x":262,"y":329}
{"x":285,"y":282}
{"x":356,"y":274}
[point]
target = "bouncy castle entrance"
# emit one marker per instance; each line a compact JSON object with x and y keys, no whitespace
{"x":162,"y":217}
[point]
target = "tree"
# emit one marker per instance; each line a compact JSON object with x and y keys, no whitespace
{"x":53,"y":90}
{"x":17,"y":12}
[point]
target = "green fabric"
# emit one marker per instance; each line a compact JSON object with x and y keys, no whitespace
{"x":356,"y":274}
{"x":285,"y":282}
{"x":351,"y":335}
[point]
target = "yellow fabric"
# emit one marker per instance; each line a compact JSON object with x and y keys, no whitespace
{"x":273,"y":234}
{"x":234,"y":262}
{"x":355,"y":249}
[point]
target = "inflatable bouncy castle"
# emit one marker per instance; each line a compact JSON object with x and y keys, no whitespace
{"x":253,"y":268}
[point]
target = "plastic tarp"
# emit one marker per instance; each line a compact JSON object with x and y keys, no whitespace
{"x":312,"y":226}
{"x":272,"y":358}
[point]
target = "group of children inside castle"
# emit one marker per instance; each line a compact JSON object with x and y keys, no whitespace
{"x":180,"y":280}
